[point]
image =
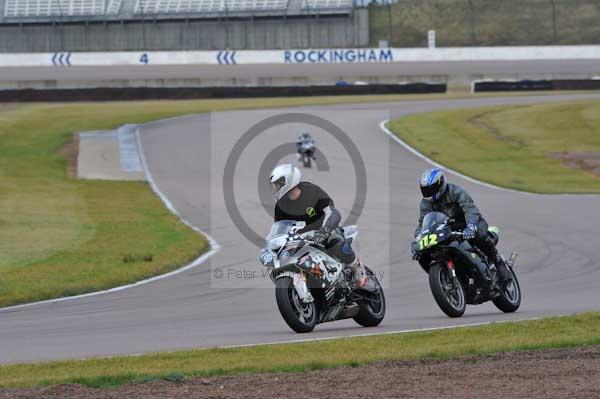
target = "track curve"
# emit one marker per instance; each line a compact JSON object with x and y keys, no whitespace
{"x":555,"y":235}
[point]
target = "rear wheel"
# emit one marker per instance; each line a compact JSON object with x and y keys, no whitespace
{"x":301,"y":317}
{"x":447,"y":291}
{"x":509,"y":299}
{"x":306,"y":160}
{"x":371,"y":309}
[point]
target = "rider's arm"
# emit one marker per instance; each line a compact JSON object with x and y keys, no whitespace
{"x":464,"y":200}
{"x":332,"y":215}
{"x":424,"y":209}
{"x":332,"y":218}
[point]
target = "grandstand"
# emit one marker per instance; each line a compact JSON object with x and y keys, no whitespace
{"x":131,"y":25}
{"x":54,"y":8}
{"x":37,"y":11}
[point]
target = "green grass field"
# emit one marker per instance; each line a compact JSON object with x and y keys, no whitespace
{"x":557,"y":332}
{"x":511,"y":146}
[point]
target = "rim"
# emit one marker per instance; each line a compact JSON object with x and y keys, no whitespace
{"x":511,"y":291}
{"x":304,"y":311}
{"x":454,"y":294}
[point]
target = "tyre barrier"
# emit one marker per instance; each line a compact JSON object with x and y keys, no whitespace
{"x":160,"y":93}
{"x":537,"y":85}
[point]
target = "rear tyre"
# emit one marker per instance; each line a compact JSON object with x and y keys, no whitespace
{"x":509,"y":299}
{"x":371,"y":310}
{"x":447,"y":292}
{"x":306,"y":160}
{"x":301,"y":317}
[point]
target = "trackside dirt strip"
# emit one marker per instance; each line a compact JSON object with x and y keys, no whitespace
{"x":555,"y":235}
{"x":561,"y":373}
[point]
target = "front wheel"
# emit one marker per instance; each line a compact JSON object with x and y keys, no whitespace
{"x":448,"y":292}
{"x":301,"y":317}
{"x":371,"y":308}
{"x":509,"y":299}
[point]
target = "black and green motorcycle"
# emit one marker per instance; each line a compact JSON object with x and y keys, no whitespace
{"x":459,"y":273}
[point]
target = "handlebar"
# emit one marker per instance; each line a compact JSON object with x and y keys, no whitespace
{"x":458,"y":235}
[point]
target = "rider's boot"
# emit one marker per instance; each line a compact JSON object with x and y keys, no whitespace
{"x":486,"y":272}
{"x":503,"y":271}
{"x":359,"y":273}
{"x":489,"y":248}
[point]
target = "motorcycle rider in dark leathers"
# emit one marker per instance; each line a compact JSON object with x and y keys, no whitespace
{"x":457,"y":204}
{"x":303,"y":141}
{"x":303,"y":201}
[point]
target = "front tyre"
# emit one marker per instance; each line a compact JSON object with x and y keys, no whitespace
{"x":509,"y":299}
{"x":371,"y":308}
{"x":307,"y":161}
{"x":447,"y":291}
{"x":301,"y":317}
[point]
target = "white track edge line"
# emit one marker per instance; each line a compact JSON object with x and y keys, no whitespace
{"x":297,"y":341}
{"x":383,"y":126}
{"x":214,"y":246}
{"x":307,"y":340}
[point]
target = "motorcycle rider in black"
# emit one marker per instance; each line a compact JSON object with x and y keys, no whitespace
{"x":303,"y":141}
{"x":307,"y":202}
{"x":456,"y":203}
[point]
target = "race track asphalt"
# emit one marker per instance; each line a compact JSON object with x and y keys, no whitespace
{"x":556,"y":236}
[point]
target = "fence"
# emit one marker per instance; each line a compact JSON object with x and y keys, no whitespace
{"x":404,"y":23}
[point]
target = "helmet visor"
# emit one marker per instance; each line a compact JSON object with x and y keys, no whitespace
{"x":277,"y":184}
{"x":430,"y":190}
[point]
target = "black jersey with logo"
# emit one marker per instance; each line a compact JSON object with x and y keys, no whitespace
{"x":308,"y":207}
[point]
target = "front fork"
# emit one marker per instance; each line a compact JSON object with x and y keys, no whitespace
{"x":451,"y":269}
{"x":302,"y":288}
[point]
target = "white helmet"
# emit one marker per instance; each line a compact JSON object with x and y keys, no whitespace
{"x":283,"y":179}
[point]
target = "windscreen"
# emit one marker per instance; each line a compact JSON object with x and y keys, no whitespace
{"x":279,"y":228}
{"x":433,"y":218}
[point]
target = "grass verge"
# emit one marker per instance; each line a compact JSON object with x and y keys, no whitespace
{"x":557,"y":332}
{"x":511,"y":146}
{"x":62,"y":237}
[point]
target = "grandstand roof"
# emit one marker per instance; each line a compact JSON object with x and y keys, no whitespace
{"x":53,"y":10}
{"x":43,"y":8}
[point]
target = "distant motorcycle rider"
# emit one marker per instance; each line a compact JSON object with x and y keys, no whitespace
{"x":307,"y":202}
{"x":305,"y":143}
{"x":456,"y":203}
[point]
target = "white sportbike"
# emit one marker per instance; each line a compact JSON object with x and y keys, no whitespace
{"x":312,"y":287}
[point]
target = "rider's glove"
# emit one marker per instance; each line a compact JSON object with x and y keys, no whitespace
{"x":470,"y":231}
{"x":320,"y":236}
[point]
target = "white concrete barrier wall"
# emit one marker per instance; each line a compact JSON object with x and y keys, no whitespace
{"x":368,"y":55}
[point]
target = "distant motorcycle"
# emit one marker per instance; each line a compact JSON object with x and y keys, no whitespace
{"x":454,"y":267}
{"x":307,"y":154}
{"x":312,"y":287}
